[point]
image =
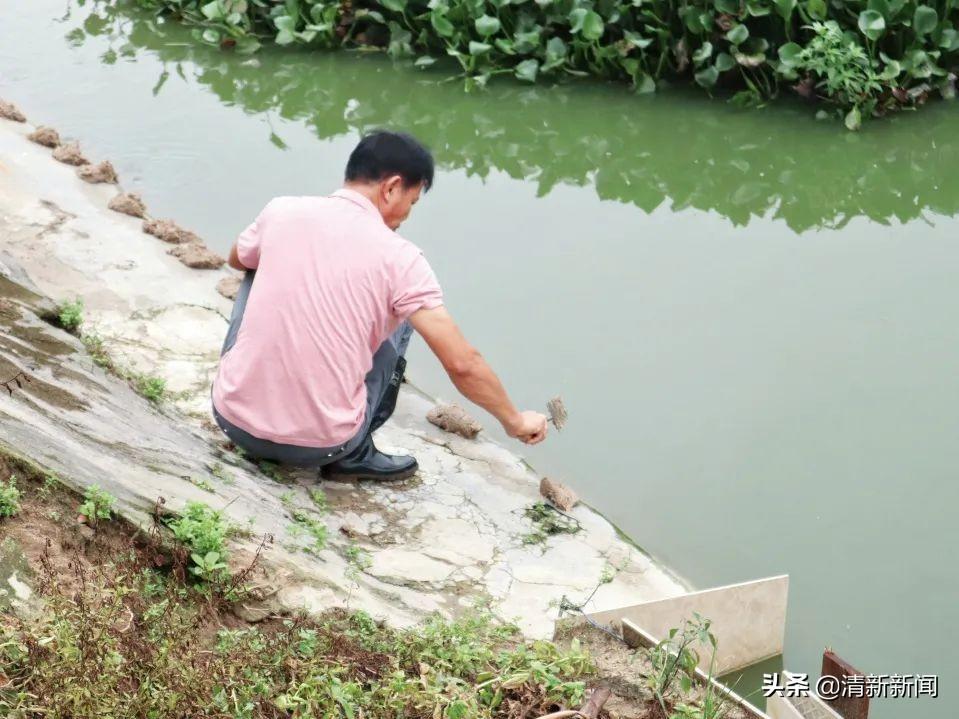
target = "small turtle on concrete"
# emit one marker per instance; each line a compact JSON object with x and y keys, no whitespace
{"x":46,"y":136}
{"x":9,"y":111}
{"x":229,"y":286}
{"x":454,"y":418}
{"x":96,"y":174}
{"x":70,"y":154}
{"x":129,"y":204}
{"x":197,"y":256}
{"x":169,"y":231}
{"x":561,"y":496}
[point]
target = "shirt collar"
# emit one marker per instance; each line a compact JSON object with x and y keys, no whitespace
{"x":357,"y":199}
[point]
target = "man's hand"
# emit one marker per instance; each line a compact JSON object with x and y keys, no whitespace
{"x":473,"y":377}
{"x":528,"y":427}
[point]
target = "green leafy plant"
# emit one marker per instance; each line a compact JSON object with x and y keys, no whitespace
{"x":713,"y":703}
{"x":70,"y":315}
{"x":9,"y":498}
{"x":841,"y":68}
{"x":209,"y":566}
{"x":96,"y":505}
{"x":136,"y":627}
{"x":50,"y":482}
{"x":202,"y":530}
{"x":151,"y":387}
{"x":748,"y":46}
{"x":673,"y":660}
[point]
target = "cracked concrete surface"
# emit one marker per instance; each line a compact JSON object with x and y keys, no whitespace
{"x":450,"y":536}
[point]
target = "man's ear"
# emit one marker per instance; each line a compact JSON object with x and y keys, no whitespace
{"x":391,"y":185}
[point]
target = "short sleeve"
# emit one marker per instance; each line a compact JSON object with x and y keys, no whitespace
{"x":248,"y":243}
{"x":415,"y":287}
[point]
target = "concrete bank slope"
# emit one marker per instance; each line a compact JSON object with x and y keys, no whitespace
{"x":437,"y":543}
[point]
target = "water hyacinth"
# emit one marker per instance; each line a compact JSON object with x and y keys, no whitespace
{"x":865,"y":57}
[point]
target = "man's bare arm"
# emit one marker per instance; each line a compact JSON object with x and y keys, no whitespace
{"x":473,"y":376}
{"x":234,"y":259}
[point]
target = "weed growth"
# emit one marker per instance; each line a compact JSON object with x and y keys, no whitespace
{"x":219,"y":471}
{"x":151,"y":387}
{"x":202,"y":531}
{"x":547,"y":521}
{"x":269,"y":469}
{"x":97,"y":350}
{"x":673,"y":661}
{"x":96,"y":505}
{"x":70,"y":315}
{"x":311,"y":526}
{"x":319,"y":500}
{"x":133,"y":642}
{"x":9,"y":498}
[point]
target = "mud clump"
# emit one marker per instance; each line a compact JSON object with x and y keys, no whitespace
{"x":9,"y":111}
{"x":229,"y":287}
{"x":169,"y":231}
{"x":197,"y":255}
{"x":129,"y":204}
{"x":46,"y":136}
{"x":454,"y":418}
{"x":95,"y":174}
{"x":70,"y":154}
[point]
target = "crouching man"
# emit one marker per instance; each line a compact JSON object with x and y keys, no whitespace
{"x":314,"y":356}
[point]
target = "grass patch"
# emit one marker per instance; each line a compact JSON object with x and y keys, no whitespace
{"x":311,"y":526}
{"x":153,"y":388}
{"x":319,"y":500}
{"x":547,"y":521}
{"x":219,"y":471}
{"x":150,"y":386}
{"x":97,"y":350}
{"x":268,"y":468}
{"x":134,"y":642}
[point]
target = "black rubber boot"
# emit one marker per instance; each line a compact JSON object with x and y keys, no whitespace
{"x":388,"y":401}
{"x":367,"y":462}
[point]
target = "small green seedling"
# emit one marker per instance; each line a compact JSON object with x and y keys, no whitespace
{"x":319,"y":499}
{"x":201,"y":483}
{"x":97,"y":350}
{"x":97,"y":505}
{"x":202,"y":530}
{"x":358,"y":557}
{"x":151,"y":387}
{"x":208,"y":567}
{"x":9,"y":498}
{"x":219,"y":471}
{"x":49,"y":482}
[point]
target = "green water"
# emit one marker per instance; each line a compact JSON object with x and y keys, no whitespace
{"x":751,"y":315}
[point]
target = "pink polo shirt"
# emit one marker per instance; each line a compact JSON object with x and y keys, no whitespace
{"x":332,"y":283}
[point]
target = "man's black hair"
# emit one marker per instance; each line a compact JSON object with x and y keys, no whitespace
{"x":381,"y":154}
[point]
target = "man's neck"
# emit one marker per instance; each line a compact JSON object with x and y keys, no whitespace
{"x":367,"y":190}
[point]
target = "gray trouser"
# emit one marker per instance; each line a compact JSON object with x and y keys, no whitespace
{"x":382,"y":384}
